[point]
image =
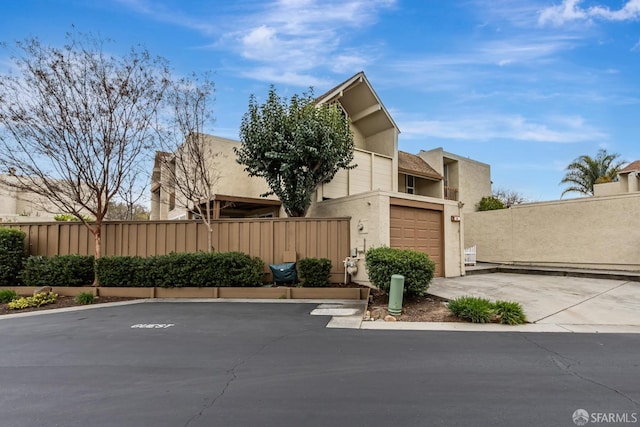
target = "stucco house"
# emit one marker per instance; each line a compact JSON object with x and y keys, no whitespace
{"x":393,"y":198}
{"x":23,"y":206}
{"x":237,"y":195}
{"x":628,"y":182}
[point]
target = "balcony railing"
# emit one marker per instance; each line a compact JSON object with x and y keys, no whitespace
{"x":451,"y":193}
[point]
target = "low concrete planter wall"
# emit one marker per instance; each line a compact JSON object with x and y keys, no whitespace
{"x":248,"y":293}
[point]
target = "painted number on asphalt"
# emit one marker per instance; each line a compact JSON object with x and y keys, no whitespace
{"x":152,"y":325}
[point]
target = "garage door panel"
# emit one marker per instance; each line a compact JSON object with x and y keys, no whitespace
{"x":420,"y":230}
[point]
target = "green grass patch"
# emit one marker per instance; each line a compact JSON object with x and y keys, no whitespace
{"x":84,"y":298}
{"x":481,"y":310}
{"x":7,"y":295}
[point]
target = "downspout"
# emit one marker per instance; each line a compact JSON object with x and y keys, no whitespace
{"x":463,"y":271}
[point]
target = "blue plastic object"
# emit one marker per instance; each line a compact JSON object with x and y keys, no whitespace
{"x":284,"y":273}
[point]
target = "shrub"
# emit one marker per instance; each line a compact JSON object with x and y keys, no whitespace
{"x":315,"y":272}
{"x":481,"y":310}
{"x":490,"y":203}
{"x":510,"y":313}
{"x":59,"y":270}
{"x":84,"y":298}
{"x":473,"y":309}
{"x":200,"y":269}
{"x":11,"y":255}
{"x":37,"y":300}
{"x":416,"y":267}
{"x":125,"y":271}
{"x":7,"y":296}
{"x":71,"y":218}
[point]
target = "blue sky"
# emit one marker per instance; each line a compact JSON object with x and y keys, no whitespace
{"x":526,"y":86}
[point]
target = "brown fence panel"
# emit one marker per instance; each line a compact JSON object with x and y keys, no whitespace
{"x":265,"y":238}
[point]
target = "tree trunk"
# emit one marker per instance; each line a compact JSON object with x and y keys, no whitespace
{"x":97,"y":235}
{"x":209,"y":237}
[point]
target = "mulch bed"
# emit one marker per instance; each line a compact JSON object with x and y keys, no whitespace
{"x":61,"y":302}
{"x":429,"y":308}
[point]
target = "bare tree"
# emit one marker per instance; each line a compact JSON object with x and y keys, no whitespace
{"x":75,"y":120}
{"x":127,"y":204}
{"x":188,"y":164}
{"x":509,"y":197}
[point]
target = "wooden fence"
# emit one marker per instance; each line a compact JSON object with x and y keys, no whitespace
{"x":266,"y":238}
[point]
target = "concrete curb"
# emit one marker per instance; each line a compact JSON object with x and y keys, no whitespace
{"x":348,"y":314}
{"x":70,"y":309}
{"x":475,"y":327}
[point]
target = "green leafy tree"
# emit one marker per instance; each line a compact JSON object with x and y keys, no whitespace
{"x":586,"y":171}
{"x":295,"y":145}
{"x":490,"y":203}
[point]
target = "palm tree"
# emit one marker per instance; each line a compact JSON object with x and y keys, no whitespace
{"x":585,"y":171}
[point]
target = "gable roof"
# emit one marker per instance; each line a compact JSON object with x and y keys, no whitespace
{"x":631,"y":167}
{"x":414,"y":165}
{"x":361,"y":103}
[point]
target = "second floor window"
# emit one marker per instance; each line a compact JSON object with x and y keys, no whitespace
{"x":411,"y":184}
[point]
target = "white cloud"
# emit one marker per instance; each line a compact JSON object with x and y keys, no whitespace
{"x":260,"y":42}
{"x":277,"y":75}
{"x":296,"y":38}
{"x":491,"y":61}
{"x":630,"y":11}
{"x":559,"y":14}
{"x":159,"y":12}
{"x":570,"y":10}
{"x":566,"y":129}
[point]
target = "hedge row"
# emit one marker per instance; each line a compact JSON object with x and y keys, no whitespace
{"x":59,"y":270}
{"x":201,"y":269}
{"x":11,"y":255}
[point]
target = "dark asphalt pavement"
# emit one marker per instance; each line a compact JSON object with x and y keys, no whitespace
{"x":251,"y":364}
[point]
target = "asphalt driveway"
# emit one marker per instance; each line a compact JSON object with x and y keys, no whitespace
{"x":576,"y":304}
{"x":231,"y":364}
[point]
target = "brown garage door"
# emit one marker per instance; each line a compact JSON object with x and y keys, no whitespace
{"x":418,"y":229}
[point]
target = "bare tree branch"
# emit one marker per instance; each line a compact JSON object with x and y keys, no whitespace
{"x":189,"y":168}
{"x":76,"y":121}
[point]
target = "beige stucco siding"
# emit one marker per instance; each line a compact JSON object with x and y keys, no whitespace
{"x":24,"y":206}
{"x":368,"y":210}
{"x":233,"y":179}
{"x":470,"y":177}
{"x":371,"y":211}
{"x":474,"y":183}
{"x":593,"y":232}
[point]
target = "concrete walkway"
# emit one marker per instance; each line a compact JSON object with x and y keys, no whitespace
{"x":551,"y":303}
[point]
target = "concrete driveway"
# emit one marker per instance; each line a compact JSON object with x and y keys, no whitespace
{"x":573,"y":303}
